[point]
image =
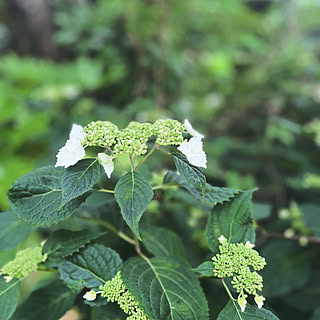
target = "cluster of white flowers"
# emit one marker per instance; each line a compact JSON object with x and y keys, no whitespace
{"x":74,"y":149}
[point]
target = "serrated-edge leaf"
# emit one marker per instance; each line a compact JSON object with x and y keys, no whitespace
{"x":232,"y":311}
{"x":133,"y":194}
{"x":165,"y":288}
{"x":80,"y":178}
{"x":205,"y":269}
{"x":9,"y":296}
{"x":232,"y":220}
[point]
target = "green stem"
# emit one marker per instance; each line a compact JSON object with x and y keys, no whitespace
{"x":105,"y":190}
{"x":164,"y":187}
{"x":110,"y":227}
{"x":147,"y":156}
{"x":132,"y":163}
{"x":227,"y":289}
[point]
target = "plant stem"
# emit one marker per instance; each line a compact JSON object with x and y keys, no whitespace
{"x":163,"y":187}
{"x":227,"y":289}
{"x":105,"y":190}
{"x":147,"y":156}
{"x":132,"y":163}
{"x":110,"y":227}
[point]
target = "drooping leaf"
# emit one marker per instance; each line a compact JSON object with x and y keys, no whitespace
{"x":50,"y":303}
{"x":192,"y":174}
{"x":232,"y":220}
{"x":212,"y":195}
{"x":232,"y":311}
{"x":205,"y":269}
{"x":91,"y":267}
{"x":37,"y":197}
{"x":65,"y":242}
{"x":12,"y":230}
{"x":162,"y":242}
{"x":165,"y":288}
{"x":80,"y":178}
{"x":9,"y":296}
{"x":288,"y":267}
{"x":133,"y":194}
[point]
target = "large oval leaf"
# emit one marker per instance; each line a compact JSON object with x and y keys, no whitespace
{"x":9,"y":296}
{"x":166,"y":288}
{"x":12,"y":230}
{"x":80,"y":178}
{"x":231,"y":219}
{"x":133,"y":194}
{"x":91,"y":267}
{"x":50,"y":303}
{"x":37,"y":197}
{"x":232,"y":311}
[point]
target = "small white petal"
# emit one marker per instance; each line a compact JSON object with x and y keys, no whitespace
{"x":222,"y":239}
{"x":259,"y":300}
{"x":90,"y":295}
{"x":7,"y":278}
{"x":193,"y":151}
{"x":242,"y":303}
{"x":70,"y":154}
{"x":191,"y":131}
{"x":249,"y":245}
{"x":77,"y":133}
{"x":107,"y":163}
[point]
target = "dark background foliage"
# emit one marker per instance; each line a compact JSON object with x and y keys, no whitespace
{"x":245,"y":73}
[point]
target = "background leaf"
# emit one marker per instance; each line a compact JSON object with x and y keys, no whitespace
{"x":12,"y":230}
{"x":80,"y":178}
{"x":9,"y":296}
{"x":205,"y":269}
{"x":166,"y":288}
{"x":37,"y":197}
{"x":233,"y":220}
{"x":91,"y":267}
{"x":50,"y":303}
{"x":133,"y":194}
{"x":232,"y":311}
{"x":162,"y":242}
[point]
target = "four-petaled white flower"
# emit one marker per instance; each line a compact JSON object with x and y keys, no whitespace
{"x":259,"y":300}
{"x":242,"y":302}
{"x":249,"y":245}
{"x":193,"y":151}
{"x":90,"y":295}
{"x":73,"y":151}
{"x":191,"y":131}
{"x":107,"y":163}
{"x":222,"y":239}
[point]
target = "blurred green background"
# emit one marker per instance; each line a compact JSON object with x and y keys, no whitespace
{"x":246,"y":73}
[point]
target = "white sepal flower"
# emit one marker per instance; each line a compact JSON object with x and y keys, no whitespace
{"x":73,"y":151}
{"x":222,"y":239}
{"x":259,"y":300}
{"x":107,"y":163}
{"x":90,"y":295}
{"x":191,"y":131}
{"x":249,"y":245}
{"x":7,"y":278}
{"x":193,"y":151}
{"x":242,"y":302}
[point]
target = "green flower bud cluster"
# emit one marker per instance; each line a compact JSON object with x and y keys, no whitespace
{"x":25,"y":262}
{"x":169,"y":132}
{"x":115,"y":291}
{"x":133,"y":139}
{"x":241,"y":262}
{"x":101,"y":134}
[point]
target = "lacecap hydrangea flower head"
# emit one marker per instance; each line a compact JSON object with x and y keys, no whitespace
{"x":240,"y":262}
{"x":132,"y":141}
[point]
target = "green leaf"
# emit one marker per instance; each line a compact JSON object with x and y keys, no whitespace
{"x":109,"y":312}
{"x":212,"y":195}
{"x":12,"y":230}
{"x":65,"y":242}
{"x":91,"y":267}
{"x":162,"y":242}
{"x":316,"y":314}
{"x":165,"y":288}
{"x":192,"y":174}
{"x":233,"y":220}
{"x":9,"y":296}
{"x":232,"y":311}
{"x":50,"y":303}
{"x":205,"y":269}
{"x":261,"y":210}
{"x":133,"y":194}
{"x":37,"y":197}
{"x":311,"y":217}
{"x":288,"y":267}
{"x":80,"y":178}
